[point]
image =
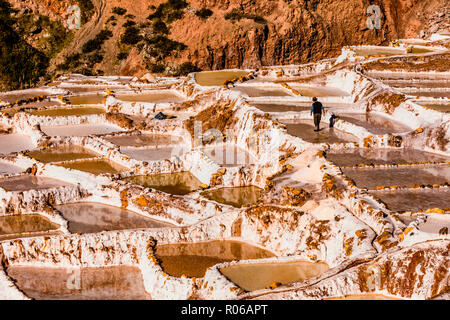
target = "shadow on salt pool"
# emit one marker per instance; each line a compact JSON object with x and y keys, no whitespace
{"x":95,"y":166}
{"x":305,"y":131}
{"x":193,"y":259}
{"x":26,"y":182}
{"x":91,"y":217}
{"x":62,"y":153}
{"x":66,"y":112}
{"x":14,"y":226}
{"x":93,"y":283}
{"x":237,"y":197}
{"x":256,"y":276}
{"x":374,"y":123}
{"x":178,"y":183}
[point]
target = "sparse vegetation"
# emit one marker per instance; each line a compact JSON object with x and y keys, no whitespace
{"x":131,"y":35}
{"x":203,"y":13}
{"x":97,"y":42}
{"x":129,"y":23}
{"x":86,"y":8}
{"x":169,"y":11}
{"x":185,"y":68}
{"x":161,"y":47}
{"x":159,"y":27}
{"x":237,"y":15}
{"x":119,"y":11}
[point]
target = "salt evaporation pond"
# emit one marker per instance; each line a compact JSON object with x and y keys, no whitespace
{"x":26,"y":182}
{"x":439,"y":107}
{"x":237,"y":196}
{"x":351,"y":157}
{"x":92,"y":283}
{"x":193,"y":259}
{"x":178,"y":183}
{"x":254,"y":91}
{"x":66,"y":112}
{"x":305,"y":131}
{"x":62,"y":153}
{"x":309,"y":91}
{"x":280,"y":107}
{"x":380,"y":51}
{"x":87,"y":99}
{"x":152,"y":154}
{"x":80,"y":130}
{"x":374,"y":123}
{"x":96,"y":166}
{"x":217,"y":78}
{"x":17,"y":226}
{"x":25,"y":95}
{"x":15,"y":142}
{"x":414,"y":200}
{"x":139,"y":140}
{"x":8,"y":168}
{"x":418,"y":84}
{"x":160,"y":96}
{"x":434,"y":224}
{"x":371,"y":178}
{"x":256,"y":276}
{"x":423,"y":93}
{"x":91,"y":217}
{"x":229,"y":155}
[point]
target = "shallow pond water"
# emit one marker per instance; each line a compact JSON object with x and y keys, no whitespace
{"x":96,"y":166}
{"x":374,"y":123}
{"x":91,"y":217}
{"x":62,"y":153}
{"x":256,"y":276}
{"x":304,"y":129}
{"x":178,"y":183}
{"x":152,"y":154}
{"x":93,"y":283}
{"x":217,"y":78}
{"x":80,"y":130}
{"x":66,"y":112}
{"x":229,"y":155}
{"x":97,"y":99}
{"x":193,"y":259}
{"x":371,"y":178}
{"x":8,"y":168}
{"x":386,"y":51}
{"x":166,"y":96}
{"x":141,"y":140}
{"x":440,"y":107}
{"x":413,"y":200}
{"x":14,"y":96}
{"x":308,"y":91}
{"x":26,"y":182}
{"x":280,"y":107}
{"x":15,"y":142}
{"x":13,"y":226}
{"x":237,"y":197}
{"x":254,"y":91}
{"x":382,"y":156}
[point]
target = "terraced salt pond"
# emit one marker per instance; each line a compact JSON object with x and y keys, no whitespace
{"x":193,"y":259}
{"x":96,"y":99}
{"x":371,"y":178}
{"x":167,"y":96}
{"x":95,"y":166}
{"x":62,"y":153}
{"x":378,"y":51}
{"x":178,"y":183}
{"x":24,"y":95}
{"x":304,"y":129}
{"x":66,"y":112}
{"x":254,"y":91}
{"x":382,"y":156}
{"x":280,"y":107}
{"x":80,"y":130}
{"x":256,"y":276}
{"x":237,"y":197}
{"x":8,"y":168}
{"x":91,"y":217}
{"x":23,"y":225}
{"x":424,"y":93}
{"x":152,"y":154}
{"x":229,"y":156}
{"x":101,"y":283}
{"x":217,"y":78}
{"x":139,"y":140}
{"x":374,"y":123}
{"x":26,"y":182}
{"x":309,"y":91}
{"x":15,"y":142}
{"x":414,"y":200}
{"x":439,"y":107}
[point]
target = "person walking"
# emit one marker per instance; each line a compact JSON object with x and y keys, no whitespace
{"x":317,"y":109}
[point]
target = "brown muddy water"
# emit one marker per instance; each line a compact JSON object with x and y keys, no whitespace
{"x":382,"y":156}
{"x":91,"y":217}
{"x":152,"y":154}
{"x":26,"y":182}
{"x":379,"y":51}
{"x":141,"y":140}
{"x":371,"y":178}
{"x":304,"y":129}
{"x":14,"y":96}
{"x":62,"y":153}
{"x":237,"y":197}
{"x":280,"y":107}
{"x":439,"y":107}
{"x":96,"y":166}
{"x":217,"y":78}
{"x":13,"y":226}
{"x":193,"y":259}
{"x":413,"y":200}
{"x":154,"y":97}
{"x":178,"y":183}
{"x":93,"y":283}
{"x":256,"y":276}
{"x":254,"y":91}
{"x":66,"y":112}
{"x":80,"y":130}
{"x":308,"y":91}
{"x":97,"y":99}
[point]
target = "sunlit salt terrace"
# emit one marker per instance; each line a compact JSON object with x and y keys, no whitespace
{"x":80,"y":129}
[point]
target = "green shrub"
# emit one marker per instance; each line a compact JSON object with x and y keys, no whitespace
{"x":129,"y":23}
{"x":159,"y":46}
{"x":131,"y":36}
{"x":122,"y":55}
{"x":119,"y":11}
{"x":159,"y":27}
{"x":130,"y":16}
{"x":185,"y":68}
{"x":86,"y":8}
{"x":156,"y":68}
{"x":97,"y":42}
{"x":169,"y":11}
{"x":235,"y":14}
{"x":203,"y":13}
{"x":95,"y":58}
